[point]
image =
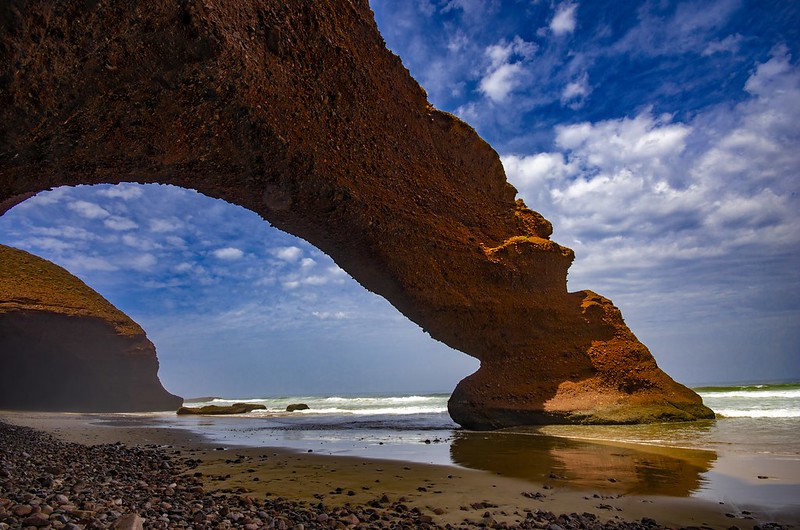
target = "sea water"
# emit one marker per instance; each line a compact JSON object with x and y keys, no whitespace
{"x":414,"y":428}
{"x":748,"y":456}
{"x":760,"y":418}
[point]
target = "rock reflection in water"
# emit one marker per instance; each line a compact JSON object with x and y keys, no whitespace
{"x":622,"y":468}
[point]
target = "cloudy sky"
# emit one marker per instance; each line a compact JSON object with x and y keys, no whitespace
{"x":662,"y":139}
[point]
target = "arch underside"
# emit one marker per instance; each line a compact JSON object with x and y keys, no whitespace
{"x":298,"y":112}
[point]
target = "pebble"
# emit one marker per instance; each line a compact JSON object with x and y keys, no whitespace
{"x":48,"y":483}
{"x":37,"y":519}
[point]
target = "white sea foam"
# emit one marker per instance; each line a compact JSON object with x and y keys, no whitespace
{"x":755,"y":394}
{"x":378,"y":411}
{"x":765,"y":402}
{"x":345,"y":405}
{"x":758,"y":413}
{"x":381,"y":400}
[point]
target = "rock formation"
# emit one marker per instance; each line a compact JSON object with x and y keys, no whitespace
{"x":221,"y":410}
{"x":63,"y":347}
{"x":297,"y":111}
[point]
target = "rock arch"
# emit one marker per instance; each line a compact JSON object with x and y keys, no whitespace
{"x":297,"y":111}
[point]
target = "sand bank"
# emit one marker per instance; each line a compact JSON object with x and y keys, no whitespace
{"x":446,"y":494}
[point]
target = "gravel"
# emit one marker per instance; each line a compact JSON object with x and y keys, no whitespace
{"x":48,"y":483}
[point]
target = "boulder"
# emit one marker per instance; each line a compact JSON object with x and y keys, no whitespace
{"x":63,"y":347}
{"x":297,"y":406}
{"x":298,"y":112}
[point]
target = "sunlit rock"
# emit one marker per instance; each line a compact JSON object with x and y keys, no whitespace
{"x":297,"y":111}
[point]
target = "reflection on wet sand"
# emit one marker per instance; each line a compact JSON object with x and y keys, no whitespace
{"x":622,"y":468}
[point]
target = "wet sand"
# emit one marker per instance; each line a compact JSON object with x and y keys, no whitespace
{"x":447,"y":494}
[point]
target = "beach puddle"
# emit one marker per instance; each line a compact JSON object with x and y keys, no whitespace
{"x":613,"y":468}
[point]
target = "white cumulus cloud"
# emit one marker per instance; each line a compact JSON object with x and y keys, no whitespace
{"x":143,"y":262}
{"x":122,"y":191}
{"x":642,"y":142}
{"x":290,"y":254}
{"x":120,"y":223}
{"x":564,"y":19}
{"x":505,"y":71}
{"x":500,"y":82}
{"x":576,"y":92}
{"x":165,"y":225}
{"x":330,"y":315}
{"x":89,"y":210}
{"x":47,"y":244}
{"x":228,"y":253}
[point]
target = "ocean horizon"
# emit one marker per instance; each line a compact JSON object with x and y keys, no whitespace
{"x":748,"y":396}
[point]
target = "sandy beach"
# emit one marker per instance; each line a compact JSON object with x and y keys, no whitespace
{"x":442,"y":495}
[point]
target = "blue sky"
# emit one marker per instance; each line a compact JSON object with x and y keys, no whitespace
{"x":660,"y":138}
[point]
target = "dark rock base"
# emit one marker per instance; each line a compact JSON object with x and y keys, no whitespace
{"x":54,"y":362}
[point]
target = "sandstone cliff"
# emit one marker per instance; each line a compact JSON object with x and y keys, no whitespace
{"x":297,"y":111}
{"x":63,"y":347}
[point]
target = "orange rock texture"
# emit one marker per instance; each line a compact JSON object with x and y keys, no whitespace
{"x":63,"y":347}
{"x":297,"y":111}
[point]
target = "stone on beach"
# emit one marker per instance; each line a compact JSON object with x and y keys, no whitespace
{"x":37,"y":519}
{"x":236,"y":408}
{"x":130,"y":521}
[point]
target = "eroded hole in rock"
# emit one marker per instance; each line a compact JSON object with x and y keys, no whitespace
{"x":234,"y":306}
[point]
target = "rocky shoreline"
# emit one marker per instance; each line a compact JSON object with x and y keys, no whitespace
{"x":49,"y":483}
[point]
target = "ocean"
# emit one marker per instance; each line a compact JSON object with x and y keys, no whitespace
{"x":749,"y":456}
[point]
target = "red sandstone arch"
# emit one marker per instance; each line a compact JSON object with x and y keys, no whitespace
{"x":296,"y":111}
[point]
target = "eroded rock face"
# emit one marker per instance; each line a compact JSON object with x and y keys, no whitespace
{"x":298,"y":112}
{"x":63,"y":347}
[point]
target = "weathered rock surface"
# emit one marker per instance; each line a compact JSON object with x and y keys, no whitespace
{"x":297,"y":406}
{"x":63,"y":347}
{"x":297,"y":111}
{"x":219,"y":410}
